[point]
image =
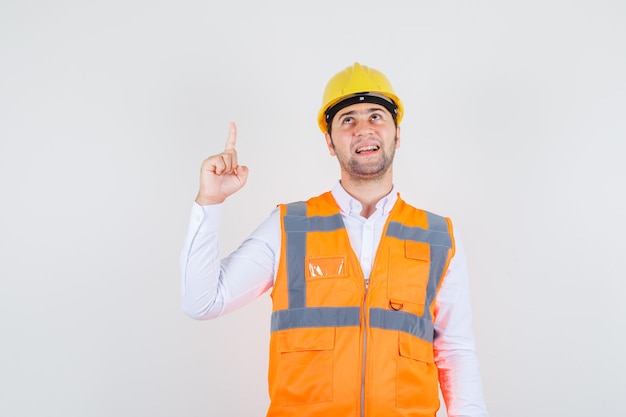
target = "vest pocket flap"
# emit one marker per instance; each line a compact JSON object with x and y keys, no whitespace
{"x":415,"y":348}
{"x":296,"y":340}
{"x":417,"y":250}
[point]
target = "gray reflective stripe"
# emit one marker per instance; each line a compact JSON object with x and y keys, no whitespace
{"x":438,"y":258}
{"x":297,"y":224}
{"x":315,"y":317}
{"x":402,"y":321}
{"x":417,"y":234}
{"x":296,"y":209}
{"x":296,"y":282}
{"x":313,"y":223}
{"x":295,"y":250}
{"x":436,"y":222}
{"x":295,"y":242}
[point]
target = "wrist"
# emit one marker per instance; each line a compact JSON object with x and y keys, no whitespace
{"x":208,"y":201}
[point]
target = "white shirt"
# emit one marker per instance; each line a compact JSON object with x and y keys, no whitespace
{"x":211,"y":287}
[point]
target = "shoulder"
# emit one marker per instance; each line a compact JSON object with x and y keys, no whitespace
{"x":316,"y":204}
{"x":434,"y":221}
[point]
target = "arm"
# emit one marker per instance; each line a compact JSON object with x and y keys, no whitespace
{"x":210,"y":288}
{"x":455,"y":352}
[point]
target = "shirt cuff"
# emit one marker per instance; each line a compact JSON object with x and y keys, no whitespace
{"x":205,"y":219}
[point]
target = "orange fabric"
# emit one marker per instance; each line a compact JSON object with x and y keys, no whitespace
{"x":355,"y":370}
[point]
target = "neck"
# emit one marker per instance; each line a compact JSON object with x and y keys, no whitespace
{"x":368,"y":192}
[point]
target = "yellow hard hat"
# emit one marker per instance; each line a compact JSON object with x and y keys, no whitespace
{"x":355,"y":84}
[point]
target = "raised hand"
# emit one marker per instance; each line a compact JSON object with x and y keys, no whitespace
{"x":221,"y":175}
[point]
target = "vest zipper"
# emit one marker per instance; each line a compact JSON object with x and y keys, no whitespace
{"x":367,"y":282}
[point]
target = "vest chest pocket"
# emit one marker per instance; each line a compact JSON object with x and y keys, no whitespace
{"x":326,"y":267}
{"x":409,"y":270}
{"x":417,"y":376}
{"x":306,"y":366}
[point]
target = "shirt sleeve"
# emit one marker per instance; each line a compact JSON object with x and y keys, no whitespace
{"x":455,"y":352}
{"x":211,"y":287}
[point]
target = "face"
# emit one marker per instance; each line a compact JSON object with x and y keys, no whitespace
{"x":364,"y":139}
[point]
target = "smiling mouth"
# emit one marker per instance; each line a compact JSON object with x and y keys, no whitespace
{"x":367,"y":149}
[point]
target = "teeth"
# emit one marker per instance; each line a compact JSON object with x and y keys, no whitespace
{"x":367,"y":148}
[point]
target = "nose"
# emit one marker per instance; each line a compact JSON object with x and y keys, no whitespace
{"x":363,"y":127}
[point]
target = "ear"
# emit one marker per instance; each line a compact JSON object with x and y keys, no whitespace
{"x":329,"y":144}
{"x":397,"y":137}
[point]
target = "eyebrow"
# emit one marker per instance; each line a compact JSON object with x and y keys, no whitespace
{"x":367,"y":111}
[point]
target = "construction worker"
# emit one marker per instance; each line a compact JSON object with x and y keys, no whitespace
{"x":371,"y":309}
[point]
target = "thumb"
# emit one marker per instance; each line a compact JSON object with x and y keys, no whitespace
{"x":242,"y":174}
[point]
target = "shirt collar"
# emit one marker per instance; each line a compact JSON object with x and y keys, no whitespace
{"x":349,"y":205}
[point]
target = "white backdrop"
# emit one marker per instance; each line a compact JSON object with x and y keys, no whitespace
{"x":515,"y":127}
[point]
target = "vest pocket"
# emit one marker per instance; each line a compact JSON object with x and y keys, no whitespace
{"x":306,"y":366}
{"x":326,"y":267}
{"x":408,"y":274}
{"x":417,"y":378}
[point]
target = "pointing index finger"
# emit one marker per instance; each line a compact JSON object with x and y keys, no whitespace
{"x":231,"y":142}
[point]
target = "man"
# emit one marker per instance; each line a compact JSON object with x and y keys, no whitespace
{"x":370,"y":295}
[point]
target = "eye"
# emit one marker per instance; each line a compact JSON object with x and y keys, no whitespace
{"x":347,"y":120}
{"x":376,"y":116}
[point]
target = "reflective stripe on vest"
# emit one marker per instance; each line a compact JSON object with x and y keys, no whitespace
{"x":297,"y":224}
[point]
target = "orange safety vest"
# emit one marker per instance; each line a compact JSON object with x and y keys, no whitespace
{"x":341,"y":346}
